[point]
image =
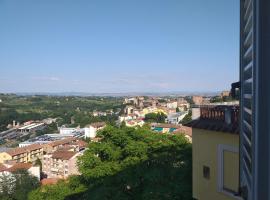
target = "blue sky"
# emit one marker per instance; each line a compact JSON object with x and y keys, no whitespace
{"x":118,"y":45}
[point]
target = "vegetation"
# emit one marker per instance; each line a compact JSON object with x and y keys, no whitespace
{"x":128,"y":164}
{"x":24,"y":108}
{"x":219,"y":99}
{"x":16,"y":186}
{"x":155,"y":117}
{"x":187,"y":118}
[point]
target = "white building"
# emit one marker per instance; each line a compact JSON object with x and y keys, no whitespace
{"x":175,"y":118}
{"x":67,"y":130}
{"x":90,"y":131}
{"x":172,"y":105}
{"x":9,"y":168}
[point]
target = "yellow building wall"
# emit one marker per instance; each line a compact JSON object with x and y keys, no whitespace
{"x":206,"y":153}
{"x":4,"y":156}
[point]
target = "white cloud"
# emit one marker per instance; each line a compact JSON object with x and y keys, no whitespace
{"x":46,"y":78}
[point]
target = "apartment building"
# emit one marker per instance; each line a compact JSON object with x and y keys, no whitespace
{"x":68,"y":142}
{"x":24,"y":154}
{"x":215,"y":138}
{"x":61,"y":164}
{"x":91,"y":130}
{"x":11,"y":167}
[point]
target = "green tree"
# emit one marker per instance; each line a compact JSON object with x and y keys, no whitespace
{"x":17,"y":185}
{"x":128,"y":163}
{"x":187,"y":118}
{"x":155,"y":117}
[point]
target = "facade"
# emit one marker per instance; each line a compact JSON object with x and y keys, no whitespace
{"x":54,"y":146}
{"x":172,"y":129}
{"x":215,"y":138}
{"x":91,"y":130}
{"x":225,"y":94}
{"x":175,"y":118}
{"x":198,"y":100}
{"x":11,"y":167}
{"x":67,"y":130}
{"x":60,"y":164}
{"x":24,"y":155}
{"x":172,"y":105}
{"x":31,"y":127}
{"x":134,"y":123}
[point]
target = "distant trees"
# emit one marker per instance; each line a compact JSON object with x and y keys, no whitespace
{"x":187,"y":118}
{"x":17,"y":185}
{"x":155,"y":117}
{"x":130,"y":164}
{"x":219,"y":99}
{"x":22,"y":108}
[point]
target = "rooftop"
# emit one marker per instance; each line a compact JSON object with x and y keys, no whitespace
{"x":19,"y":166}
{"x":63,"y":155}
{"x":20,"y":150}
{"x":222,"y":118}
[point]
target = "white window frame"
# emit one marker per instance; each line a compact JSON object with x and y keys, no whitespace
{"x":221,"y":149}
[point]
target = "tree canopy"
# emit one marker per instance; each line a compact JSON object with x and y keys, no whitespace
{"x":130,"y":164}
{"x":17,"y":185}
{"x":155,"y":117}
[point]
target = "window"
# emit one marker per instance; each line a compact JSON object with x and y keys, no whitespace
{"x":228,"y":170}
{"x":206,"y":172}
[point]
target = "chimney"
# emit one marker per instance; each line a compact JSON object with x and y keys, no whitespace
{"x":14,"y":123}
{"x":228,"y":116}
{"x":196,"y":113}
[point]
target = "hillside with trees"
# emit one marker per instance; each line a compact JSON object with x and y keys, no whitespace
{"x":128,"y":164}
{"x":24,"y":108}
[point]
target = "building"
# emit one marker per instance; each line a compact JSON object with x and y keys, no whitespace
{"x":215,"y":138}
{"x":56,"y":145}
{"x":175,"y":118}
{"x":31,"y":127}
{"x":91,"y":130}
{"x":198,"y":100}
{"x":24,"y":154}
{"x":183,"y":105}
{"x":64,"y":130}
{"x":134,"y":123}
{"x":173,"y":129}
{"x":60,"y":164}
{"x":225,"y":94}
{"x":48,"y":138}
{"x":11,"y":167}
{"x":129,"y":110}
{"x":172,"y":105}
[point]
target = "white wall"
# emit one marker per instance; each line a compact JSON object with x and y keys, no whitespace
{"x":67,"y":130}
{"x":90,"y":132}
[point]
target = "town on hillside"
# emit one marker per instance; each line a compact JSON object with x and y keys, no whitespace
{"x":49,"y":149}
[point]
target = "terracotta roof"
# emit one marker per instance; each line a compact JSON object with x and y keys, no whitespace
{"x":214,"y":125}
{"x":185,"y":130}
{"x":98,"y":124}
{"x":62,"y":142}
{"x":63,"y":155}
{"x":81,"y":143}
{"x":2,"y":167}
{"x":20,"y":150}
{"x":49,"y":181}
{"x":18,"y":166}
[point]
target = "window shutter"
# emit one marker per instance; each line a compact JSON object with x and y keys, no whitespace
{"x":247,"y":76}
